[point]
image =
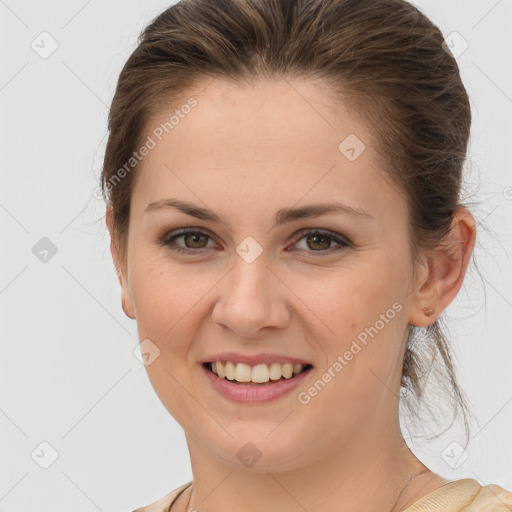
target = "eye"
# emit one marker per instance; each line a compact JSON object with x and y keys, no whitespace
{"x":194,"y":240}
{"x":319,"y":239}
{"x":316,"y":241}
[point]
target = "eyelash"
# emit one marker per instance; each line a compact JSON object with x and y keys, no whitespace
{"x":167,"y":241}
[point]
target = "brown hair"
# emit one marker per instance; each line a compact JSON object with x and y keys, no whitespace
{"x":383,"y":58}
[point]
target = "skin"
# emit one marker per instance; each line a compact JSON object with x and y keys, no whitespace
{"x":245,"y":151}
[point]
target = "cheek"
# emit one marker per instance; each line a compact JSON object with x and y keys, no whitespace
{"x":349,"y":300}
{"x":166,"y":308}
{"x":162,"y":301}
{"x":172,"y":302}
{"x":360,"y":321}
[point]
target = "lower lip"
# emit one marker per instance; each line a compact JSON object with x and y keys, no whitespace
{"x":249,"y":394}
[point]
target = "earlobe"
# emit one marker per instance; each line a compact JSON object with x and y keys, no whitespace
{"x":445,"y":269}
{"x":128,"y":310}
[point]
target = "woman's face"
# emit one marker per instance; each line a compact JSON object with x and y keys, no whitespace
{"x":259,"y":281}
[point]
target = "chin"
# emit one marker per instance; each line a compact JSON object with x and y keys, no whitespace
{"x":259,"y":451}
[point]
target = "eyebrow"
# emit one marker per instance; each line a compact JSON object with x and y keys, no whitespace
{"x":283,"y":216}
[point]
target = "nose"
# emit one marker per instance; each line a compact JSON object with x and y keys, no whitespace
{"x":252,"y":298}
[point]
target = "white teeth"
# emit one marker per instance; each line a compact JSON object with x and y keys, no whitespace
{"x":287,"y":370}
{"x":260,"y":373}
{"x":243,"y":373}
{"x":297,"y":368}
{"x":275,"y":371}
{"x":221,"y":371}
{"x":229,"y":369}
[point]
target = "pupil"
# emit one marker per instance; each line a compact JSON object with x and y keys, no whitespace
{"x":316,"y":239}
{"x":195,"y":236}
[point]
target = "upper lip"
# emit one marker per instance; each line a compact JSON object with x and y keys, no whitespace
{"x":254,"y":359}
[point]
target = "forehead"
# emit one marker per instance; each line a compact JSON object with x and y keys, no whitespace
{"x":248,"y":141}
{"x":266,"y":118}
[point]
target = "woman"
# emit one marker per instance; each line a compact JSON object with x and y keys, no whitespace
{"x":283,"y":184}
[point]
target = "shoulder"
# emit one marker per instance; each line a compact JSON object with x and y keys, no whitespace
{"x":465,"y":495}
{"x":163,"y":504}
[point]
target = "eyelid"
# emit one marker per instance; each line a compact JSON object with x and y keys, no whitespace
{"x":339,"y":239}
{"x":170,"y":236}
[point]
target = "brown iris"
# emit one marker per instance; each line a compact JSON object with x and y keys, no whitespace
{"x":195,"y":237}
{"x":316,"y":237}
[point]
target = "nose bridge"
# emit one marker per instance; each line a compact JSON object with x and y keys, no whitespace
{"x":249,"y":282}
{"x":250,"y":298}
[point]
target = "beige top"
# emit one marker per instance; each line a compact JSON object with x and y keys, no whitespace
{"x":465,"y":495}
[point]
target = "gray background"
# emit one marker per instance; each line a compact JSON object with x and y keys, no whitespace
{"x":68,"y":373}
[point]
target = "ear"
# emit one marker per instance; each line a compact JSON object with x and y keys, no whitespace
{"x":443,"y":270}
{"x":126,"y":298}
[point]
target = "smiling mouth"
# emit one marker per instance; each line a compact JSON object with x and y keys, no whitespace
{"x":257,"y":375}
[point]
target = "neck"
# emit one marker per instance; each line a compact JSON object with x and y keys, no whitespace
{"x":368,"y":473}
